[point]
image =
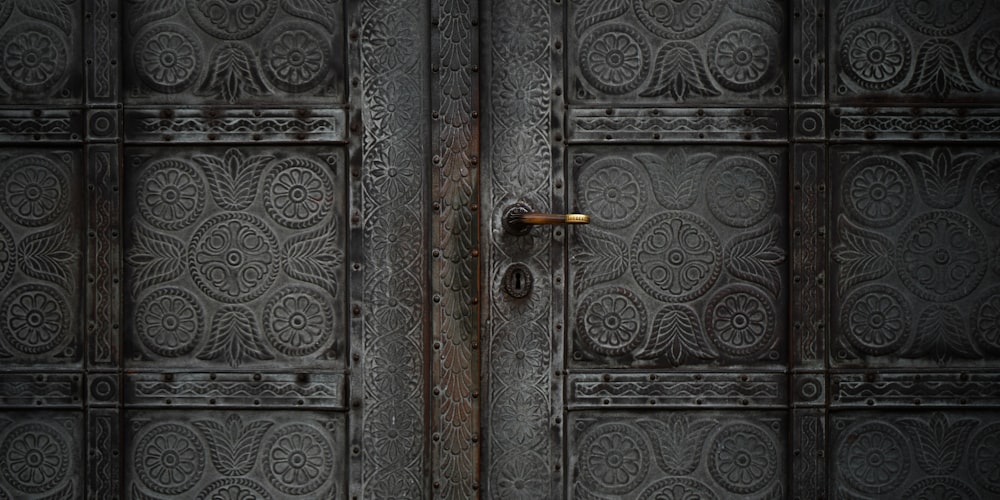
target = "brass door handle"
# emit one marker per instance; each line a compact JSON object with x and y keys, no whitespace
{"x":518,"y":219}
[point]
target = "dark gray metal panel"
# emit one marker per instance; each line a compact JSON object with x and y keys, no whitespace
{"x":43,"y":53}
{"x":42,"y":454}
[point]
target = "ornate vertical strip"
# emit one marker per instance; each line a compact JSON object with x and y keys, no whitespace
{"x":103,"y":257}
{"x":808,"y":454}
{"x":103,"y":37}
{"x":394,"y":84}
{"x":455,"y":365}
{"x":809,"y":254}
{"x":519,"y":450}
{"x":808,"y":53}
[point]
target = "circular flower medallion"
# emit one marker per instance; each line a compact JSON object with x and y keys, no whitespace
{"x":611,"y":322}
{"x":522,"y":416}
{"x":167,"y":58}
{"x":298,"y":193}
{"x":986,"y":192}
{"x":234,"y":488}
{"x":298,"y":459}
{"x":613,"y":458}
{"x":942,"y":487}
{"x":35,"y":458}
{"x":986,"y":321}
{"x":392,"y":364}
{"x":298,"y":321}
{"x":678,"y":19}
{"x":678,"y":488}
{"x":743,"y":458}
{"x":233,"y":257}
{"x":169,"y":322}
{"x":877,"y":191}
{"x":985,"y":54}
{"x":740,"y":321}
{"x":742,"y":55}
{"x":875,"y":55}
{"x":170,"y":194}
{"x":875,"y":320}
{"x":35,"y":319}
{"x":392,"y":433}
{"x":984,"y":456}
{"x":169,"y":459}
{"x":676,"y":256}
{"x":611,"y":192}
{"x":520,"y":477}
{"x":942,"y":18}
{"x":33,"y":58}
{"x":8,"y":256}
{"x":34,"y":191}
{"x":232,"y":19}
{"x":942,"y":256}
{"x":295,"y":58}
{"x":741,"y":193}
{"x":523,"y":351}
{"x":873,"y":457}
{"x":614,"y":58}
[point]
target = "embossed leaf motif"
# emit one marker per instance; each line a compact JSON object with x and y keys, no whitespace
{"x":235,"y":337}
{"x":852,"y":10}
{"x":147,"y":11}
{"x":941,"y":69}
{"x":154,"y":258}
{"x":313,"y":10}
{"x":768,"y":11}
{"x":755,"y":256}
{"x":941,"y":334}
{"x":940,"y":443}
{"x":676,"y":335}
{"x":46,"y":256}
{"x":233,"y":178}
{"x":598,"y":257}
{"x":862,"y":255}
{"x":678,"y":441}
{"x":942,"y":175}
{"x":675,"y":176}
{"x":233,"y":445}
{"x":233,"y":73}
{"x":314,"y":257}
{"x":53,"y":11}
{"x":679,"y":72}
{"x":591,"y":12}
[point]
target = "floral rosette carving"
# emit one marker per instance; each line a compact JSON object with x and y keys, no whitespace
{"x":392,"y":433}
{"x":33,"y":58}
{"x":875,"y":55}
{"x":986,"y":321}
{"x":35,"y":458}
{"x":942,"y":256}
{"x":168,"y":58}
{"x":877,"y":191}
{"x":740,"y":321}
{"x":234,"y":488}
{"x":232,"y":19}
{"x":296,"y":58}
{"x":985,"y":54}
{"x":169,"y":322}
{"x":613,"y":458}
{"x":611,"y":322}
{"x":233,"y":257}
{"x":169,"y":459}
{"x":297,"y":321}
{"x":984,"y":455}
{"x":741,"y":193}
{"x":742,"y":55}
{"x":36,"y":319}
{"x":170,"y":194}
{"x":612,"y":192}
{"x":298,"y":193}
{"x":676,"y":256}
{"x":614,"y":58}
{"x":678,"y":20}
{"x":986,"y":192}
{"x":34,"y":191}
{"x":743,"y":458}
{"x":876,"y":320}
{"x":874,"y":457}
{"x":678,"y":488}
{"x":939,"y":18}
{"x":298,"y":459}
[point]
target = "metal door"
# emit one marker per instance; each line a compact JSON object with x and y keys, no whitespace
{"x":788,"y":285}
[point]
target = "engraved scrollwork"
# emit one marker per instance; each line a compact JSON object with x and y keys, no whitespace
{"x":298,"y":193}
{"x":740,"y":320}
{"x":984,"y":455}
{"x":297,"y":321}
{"x":34,"y":58}
{"x":942,"y":256}
{"x":231,"y":19}
{"x":742,"y":55}
{"x":169,"y":322}
{"x":678,"y":20}
{"x":611,"y":322}
{"x":232,"y":257}
{"x":614,"y":58}
{"x":876,"y":55}
{"x":298,"y":459}
{"x":743,"y":458}
{"x":35,"y":191}
{"x":985,"y":54}
{"x":876,"y":320}
{"x":35,"y":458}
{"x":168,"y":58}
{"x":169,"y":459}
{"x":877,"y":191}
{"x":611,"y":192}
{"x":874,"y":457}
{"x":742,"y":193}
{"x":986,"y":192}
{"x":170,"y":194}
{"x":939,"y":18}
{"x":676,"y":256}
{"x":296,"y":58}
{"x":614,"y":458}
{"x":36,"y":319}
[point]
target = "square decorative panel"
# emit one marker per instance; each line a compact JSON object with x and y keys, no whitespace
{"x":655,"y":52}
{"x":217,"y":454}
{"x":685,"y":259}
{"x":41,"y":455}
{"x":235,"y":257}
{"x":916,"y":255}
{"x":234,"y":52}
{"x":41,"y":52}
{"x":41,"y":258}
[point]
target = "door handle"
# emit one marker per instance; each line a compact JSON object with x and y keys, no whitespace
{"x":519,"y":218}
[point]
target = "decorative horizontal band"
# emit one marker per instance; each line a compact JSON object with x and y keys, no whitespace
{"x":893,"y":124}
{"x":23,"y":126}
{"x":40,"y":390}
{"x":236,"y":125}
{"x":590,"y":390}
{"x":236,"y":390}
{"x":588,"y":125}
{"x":913,"y":389}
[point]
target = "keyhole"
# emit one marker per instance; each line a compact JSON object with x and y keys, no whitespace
{"x":517,"y":281}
